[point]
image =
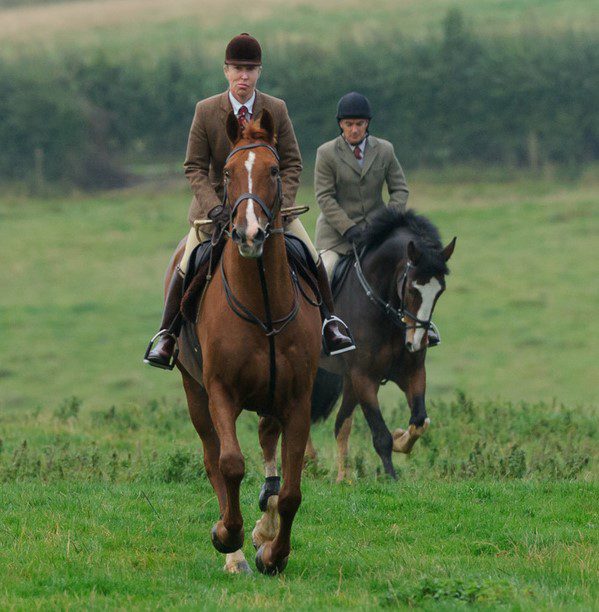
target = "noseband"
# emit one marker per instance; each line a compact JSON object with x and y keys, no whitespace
{"x":396,"y":315}
{"x":269,"y":212}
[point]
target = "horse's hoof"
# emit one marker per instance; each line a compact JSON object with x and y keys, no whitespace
{"x":271,"y":486}
{"x":224,"y":548}
{"x":273,"y":570}
{"x":238,"y":567}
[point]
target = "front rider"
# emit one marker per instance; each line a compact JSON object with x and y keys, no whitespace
{"x":349,"y":176}
{"x":207,"y":150}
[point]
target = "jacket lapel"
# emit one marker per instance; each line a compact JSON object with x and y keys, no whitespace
{"x":347,"y":156}
{"x":370,"y":154}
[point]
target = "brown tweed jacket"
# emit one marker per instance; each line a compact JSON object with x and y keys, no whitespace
{"x":208,"y":147}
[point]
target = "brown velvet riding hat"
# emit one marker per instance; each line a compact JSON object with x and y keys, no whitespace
{"x":244,"y":50}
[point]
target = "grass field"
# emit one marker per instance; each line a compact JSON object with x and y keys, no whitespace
{"x":103,"y":501}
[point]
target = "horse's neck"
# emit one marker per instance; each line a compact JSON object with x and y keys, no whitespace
{"x":243,"y":276}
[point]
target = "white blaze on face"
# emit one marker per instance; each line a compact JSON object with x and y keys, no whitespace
{"x":428,"y":293}
{"x":252,"y":220}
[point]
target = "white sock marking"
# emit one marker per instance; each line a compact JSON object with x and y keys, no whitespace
{"x":252,"y":220}
{"x":428,"y":293}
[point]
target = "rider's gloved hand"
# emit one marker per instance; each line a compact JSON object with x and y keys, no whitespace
{"x":353,"y":234}
{"x":219,"y":215}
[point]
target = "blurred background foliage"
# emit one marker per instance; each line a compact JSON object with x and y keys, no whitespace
{"x":82,"y":113}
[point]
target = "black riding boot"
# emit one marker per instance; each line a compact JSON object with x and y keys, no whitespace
{"x":163,"y":354}
{"x":334,"y":339}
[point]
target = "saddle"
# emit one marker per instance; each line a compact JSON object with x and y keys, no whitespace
{"x":340,"y":272}
{"x":206,"y":256}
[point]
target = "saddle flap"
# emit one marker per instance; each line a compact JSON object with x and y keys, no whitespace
{"x":340,"y":272}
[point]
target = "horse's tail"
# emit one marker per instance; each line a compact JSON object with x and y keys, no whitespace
{"x":326,"y":391}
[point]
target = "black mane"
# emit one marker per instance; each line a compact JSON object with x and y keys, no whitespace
{"x":425,"y":236}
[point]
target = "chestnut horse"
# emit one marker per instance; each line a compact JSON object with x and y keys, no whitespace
{"x":260,"y":344}
{"x":387,"y":300}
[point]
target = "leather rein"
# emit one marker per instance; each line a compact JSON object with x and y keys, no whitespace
{"x":396,"y":315}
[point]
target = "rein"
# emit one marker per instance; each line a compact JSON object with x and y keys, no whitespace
{"x":396,"y":315}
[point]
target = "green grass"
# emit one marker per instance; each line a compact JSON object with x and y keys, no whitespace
{"x":518,"y":546}
{"x":103,"y":500}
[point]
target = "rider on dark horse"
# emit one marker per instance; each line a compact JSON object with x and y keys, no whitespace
{"x":349,"y":175}
{"x":207,"y":151}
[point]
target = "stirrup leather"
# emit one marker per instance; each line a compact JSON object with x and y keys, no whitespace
{"x":171,"y":363}
{"x":327,"y":351}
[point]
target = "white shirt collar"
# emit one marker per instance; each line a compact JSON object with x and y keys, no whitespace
{"x":237,"y":105}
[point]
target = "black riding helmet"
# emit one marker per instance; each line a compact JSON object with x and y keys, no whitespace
{"x":354,"y":105}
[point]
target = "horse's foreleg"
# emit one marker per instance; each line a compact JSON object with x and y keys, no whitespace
{"x":343,"y":424}
{"x":197,"y":402}
{"x":414,"y":385}
{"x":366,"y":391}
{"x":227,"y":534}
{"x":271,"y":557}
{"x":266,"y":527}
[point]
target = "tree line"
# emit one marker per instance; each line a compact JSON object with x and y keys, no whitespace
{"x":456,"y":98}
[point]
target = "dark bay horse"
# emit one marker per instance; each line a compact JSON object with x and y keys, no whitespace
{"x":403,"y":268}
{"x":260,"y":343}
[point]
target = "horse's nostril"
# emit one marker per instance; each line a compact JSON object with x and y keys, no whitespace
{"x":260,"y":235}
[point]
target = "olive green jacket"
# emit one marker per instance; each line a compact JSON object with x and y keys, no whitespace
{"x":348,"y":194}
{"x":208,"y":147}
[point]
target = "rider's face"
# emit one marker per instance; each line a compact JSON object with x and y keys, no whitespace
{"x":354,"y":130}
{"x":242,"y":80}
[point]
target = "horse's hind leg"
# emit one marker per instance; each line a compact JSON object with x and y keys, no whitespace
{"x":272,"y":556}
{"x":266,"y":527}
{"x":197,"y":401}
{"x":343,"y":424}
{"x":413,"y":383}
{"x":366,"y":391}
{"x":227,"y":534}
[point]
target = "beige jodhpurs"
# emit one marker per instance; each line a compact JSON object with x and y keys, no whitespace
{"x":295,"y":228}
{"x":329,"y":259}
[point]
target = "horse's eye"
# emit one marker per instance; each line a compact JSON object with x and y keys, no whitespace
{"x":274,"y":171}
{"x":227,"y":174}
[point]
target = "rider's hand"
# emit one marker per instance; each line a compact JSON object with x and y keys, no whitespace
{"x":219,"y":215}
{"x":354,"y":234}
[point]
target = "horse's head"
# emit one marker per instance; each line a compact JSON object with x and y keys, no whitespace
{"x":419,"y":286}
{"x":252,"y":182}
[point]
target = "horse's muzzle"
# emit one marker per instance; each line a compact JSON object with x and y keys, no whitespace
{"x":250,"y":248}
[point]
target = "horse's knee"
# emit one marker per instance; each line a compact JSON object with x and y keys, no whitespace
{"x":232,"y":465}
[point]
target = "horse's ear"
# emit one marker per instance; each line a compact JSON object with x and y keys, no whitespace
{"x":413,"y":253}
{"x":233,"y":128}
{"x":448,"y":250}
{"x":267,"y":124}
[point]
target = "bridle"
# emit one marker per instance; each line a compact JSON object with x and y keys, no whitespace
{"x":396,"y":315}
{"x":270,"y":212}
